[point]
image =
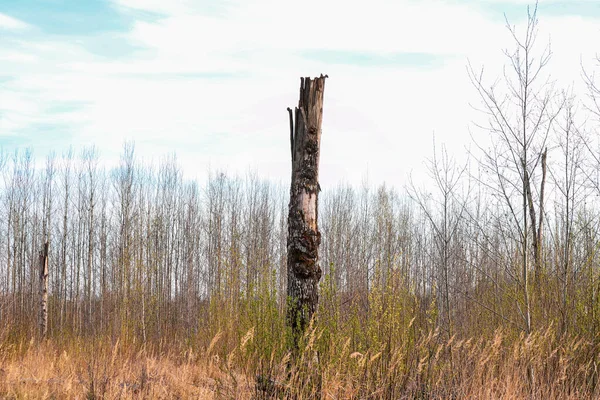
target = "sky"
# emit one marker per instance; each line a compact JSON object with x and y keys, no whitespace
{"x":211,"y":80}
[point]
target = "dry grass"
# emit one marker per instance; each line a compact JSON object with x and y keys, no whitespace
{"x":41,"y":371}
{"x":430,"y":368}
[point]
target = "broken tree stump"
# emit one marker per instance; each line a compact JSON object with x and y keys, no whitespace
{"x":304,"y":238}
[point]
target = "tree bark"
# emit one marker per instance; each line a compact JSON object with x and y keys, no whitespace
{"x":44,"y":291}
{"x":304,"y":238}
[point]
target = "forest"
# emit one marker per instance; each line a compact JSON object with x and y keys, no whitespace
{"x":481,"y":283}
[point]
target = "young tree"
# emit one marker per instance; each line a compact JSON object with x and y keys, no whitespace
{"x":125,"y":186}
{"x":47,"y":196}
{"x":90,"y":165}
{"x":444,"y":219}
{"x":519,"y":122}
{"x":568,"y":181}
{"x":44,"y":291}
{"x":66,"y":201}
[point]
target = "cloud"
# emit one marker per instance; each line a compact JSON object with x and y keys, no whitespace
{"x":212,"y":83}
{"x":173,"y":8}
{"x":12,"y":24}
{"x":379,"y":26}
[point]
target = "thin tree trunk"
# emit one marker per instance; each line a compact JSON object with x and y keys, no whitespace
{"x":304,"y":237}
{"x":539,"y":251}
{"x":44,"y":291}
{"x":541,"y":219}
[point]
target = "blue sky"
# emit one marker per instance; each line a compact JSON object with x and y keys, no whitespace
{"x":210,"y":80}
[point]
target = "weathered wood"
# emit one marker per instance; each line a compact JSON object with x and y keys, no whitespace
{"x":44,"y":291}
{"x":304,"y":238}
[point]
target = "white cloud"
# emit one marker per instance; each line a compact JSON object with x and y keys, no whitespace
{"x":376,"y":118}
{"x":380,"y":25}
{"x":12,"y":24}
{"x":157,"y":6}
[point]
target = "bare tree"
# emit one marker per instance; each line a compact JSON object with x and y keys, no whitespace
{"x":47,"y":196}
{"x":519,"y":122}
{"x":568,"y":181}
{"x":44,"y":291}
{"x":66,"y":201}
{"x":90,"y":161}
{"x":124,"y":180}
{"x":447,"y":177}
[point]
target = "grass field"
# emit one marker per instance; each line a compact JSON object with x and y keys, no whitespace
{"x":428,"y":368}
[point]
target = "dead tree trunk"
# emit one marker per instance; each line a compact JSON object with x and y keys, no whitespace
{"x":303,"y":241}
{"x":44,"y":291}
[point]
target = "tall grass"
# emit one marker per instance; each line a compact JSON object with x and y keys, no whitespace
{"x":428,"y":368}
{"x":385,"y":344}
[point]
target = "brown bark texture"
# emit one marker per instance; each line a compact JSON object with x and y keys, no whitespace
{"x":304,"y":238}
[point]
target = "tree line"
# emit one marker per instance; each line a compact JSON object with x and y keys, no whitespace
{"x":508,"y":240}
